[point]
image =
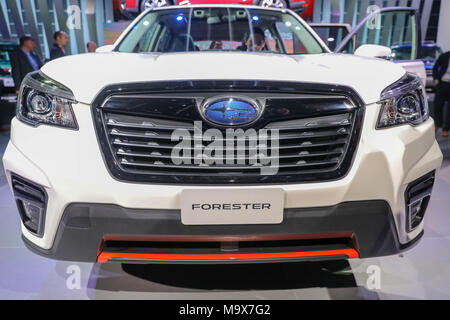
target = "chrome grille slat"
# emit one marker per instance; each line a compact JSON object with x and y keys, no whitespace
{"x":191,"y":128}
{"x":254,"y":172}
{"x":144,"y":145}
{"x":287,"y":146}
{"x":143,"y":126}
{"x":282,"y":156}
{"x":303,"y":135}
{"x":219,"y":168}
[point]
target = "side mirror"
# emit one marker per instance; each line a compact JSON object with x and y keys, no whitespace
{"x":374,"y":51}
{"x":107,"y":48}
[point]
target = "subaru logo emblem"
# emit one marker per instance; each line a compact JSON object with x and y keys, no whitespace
{"x":231,"y":111}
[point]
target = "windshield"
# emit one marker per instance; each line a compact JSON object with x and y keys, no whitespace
{"x":219,"y":29}
{"x":333,"y":35}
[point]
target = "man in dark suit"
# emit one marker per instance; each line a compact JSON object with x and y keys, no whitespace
{"x":24,"y":61}
{"x":61,"y":40}
{"x":441,"y":75}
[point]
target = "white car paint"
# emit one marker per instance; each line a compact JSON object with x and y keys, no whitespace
{"x":101,"y":69}
{"x":70,"y":166}
{"x":417,"y":67}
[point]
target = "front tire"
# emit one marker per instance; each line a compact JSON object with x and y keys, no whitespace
{"x":273,"y":4}
{"x":147,"y":4}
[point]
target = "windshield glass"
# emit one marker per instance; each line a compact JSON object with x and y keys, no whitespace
{"x":219,"y":29}
{"x":426,"y":52}
{"x":430,"y":53}
{"x":332,"y":35}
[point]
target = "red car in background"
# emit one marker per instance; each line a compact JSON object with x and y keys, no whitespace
{"x":300,"y":6}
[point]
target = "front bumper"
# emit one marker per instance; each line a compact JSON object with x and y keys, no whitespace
{"x":85,"y":228}
{"x":70,"y":166}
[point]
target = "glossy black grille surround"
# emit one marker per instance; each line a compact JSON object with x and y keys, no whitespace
{"x":172,"y":105}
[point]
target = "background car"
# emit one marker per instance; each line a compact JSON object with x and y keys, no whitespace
{"x":429,"y":52}
{"x":8,"y":97}
{"x":5,"y":49}
{"x":332,"y":33}
{"x":343,"y":39}
{"x":299,"y":6}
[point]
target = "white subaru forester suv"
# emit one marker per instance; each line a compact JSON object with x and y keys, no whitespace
{"x":221,"y":134}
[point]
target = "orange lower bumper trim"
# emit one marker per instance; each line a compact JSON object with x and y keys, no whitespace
{"x":106,"y":256}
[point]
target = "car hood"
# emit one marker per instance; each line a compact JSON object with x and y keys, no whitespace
{"x":87,"y":74}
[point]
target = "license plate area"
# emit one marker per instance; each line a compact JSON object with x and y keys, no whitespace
{"x":232,"y":206}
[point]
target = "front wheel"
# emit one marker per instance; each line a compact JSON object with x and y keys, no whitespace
{"x":273,"y":3}
{"x":147,"y":4}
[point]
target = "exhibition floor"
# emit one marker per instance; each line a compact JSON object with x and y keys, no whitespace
{"x":421,"y":273}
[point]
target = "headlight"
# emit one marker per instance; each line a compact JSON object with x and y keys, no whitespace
{"x":43,"y":100}
{"x":403,"y":102}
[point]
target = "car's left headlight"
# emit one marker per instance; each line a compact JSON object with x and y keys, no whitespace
{"x":403,"y":102}
{"x":45,"y":101}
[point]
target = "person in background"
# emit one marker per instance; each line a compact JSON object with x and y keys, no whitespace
{"x":441,"y":75}
{"x":216,"y":45}
{"x":91,"y":46}
{"x":24,"y":60}
{"x":61,"y":40}
{"x":257,"y":42}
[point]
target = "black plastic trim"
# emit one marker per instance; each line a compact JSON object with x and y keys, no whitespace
{"x":20,"y":195}
{"x":421,"y":184}
{"x":83,"y":227}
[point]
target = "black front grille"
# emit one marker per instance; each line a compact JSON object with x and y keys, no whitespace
{"x":317,"y":137}
{"x":143,"y":146}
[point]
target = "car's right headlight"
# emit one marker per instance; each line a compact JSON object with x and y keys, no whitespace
{"x":45,"y":101}
{"x":403,"y":102}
